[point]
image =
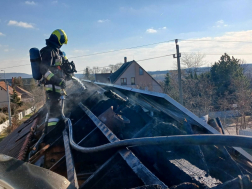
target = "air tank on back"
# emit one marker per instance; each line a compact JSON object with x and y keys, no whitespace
{"x":35,"y":59}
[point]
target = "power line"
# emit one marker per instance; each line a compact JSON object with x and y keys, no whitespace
{"x":139,"y":60}
{"x":216,"y":53}
{"x":110,"y":51}
{"x":121,"y":49}
{"x":203,"y":40}
{"x":15,"y":66}
{"x":230,"y":54}
{"x":189,"y":40}
{"x":99,"y":52}
{"x":154,"y":57}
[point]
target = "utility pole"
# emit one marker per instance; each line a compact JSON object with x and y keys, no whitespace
{"x":8,"y":98}
{"x":179,"y":71}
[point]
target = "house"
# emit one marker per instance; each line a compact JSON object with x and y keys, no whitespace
{"x":26,"y":96}
{"x":131,"y":74}
{"x":3,"y":93}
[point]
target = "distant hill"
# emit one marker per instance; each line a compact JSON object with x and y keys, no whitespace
{"x":158,"y":75}
{"x":10,"y":75}
{"x":78,"y":75}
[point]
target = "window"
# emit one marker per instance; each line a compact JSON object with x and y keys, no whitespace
{"x":132,"y":81}
{"x":123,"y":81}
{"x":140,"y":71}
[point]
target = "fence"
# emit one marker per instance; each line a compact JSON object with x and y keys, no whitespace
{"x":247,"y":132}
{"x":20,"y":116}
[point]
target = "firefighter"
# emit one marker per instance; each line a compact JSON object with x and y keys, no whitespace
{"x":54,"y":77}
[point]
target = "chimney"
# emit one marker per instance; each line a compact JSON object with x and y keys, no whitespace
{"x":125,"y":59}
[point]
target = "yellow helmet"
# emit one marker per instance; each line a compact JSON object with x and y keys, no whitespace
{"x":61,"y":36}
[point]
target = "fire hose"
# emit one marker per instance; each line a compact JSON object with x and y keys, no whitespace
{"x":202,"y":139}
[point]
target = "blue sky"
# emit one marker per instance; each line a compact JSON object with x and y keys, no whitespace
{"x":96,"y":26}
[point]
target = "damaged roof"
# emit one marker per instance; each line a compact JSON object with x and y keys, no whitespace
{"x":17,"y":142}
{"x":105,"y":114}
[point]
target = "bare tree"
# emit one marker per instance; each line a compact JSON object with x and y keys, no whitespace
{"x":243,"y":99}
{"x":198,"y":95}
{"x":96,"y":69}
{"x":191,"y":62}
{"x":88,"y":73}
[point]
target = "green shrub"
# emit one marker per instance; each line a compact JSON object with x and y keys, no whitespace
{"x":3,"y":118}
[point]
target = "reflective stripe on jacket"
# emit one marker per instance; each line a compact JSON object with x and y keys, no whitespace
{"x":49,"y":87}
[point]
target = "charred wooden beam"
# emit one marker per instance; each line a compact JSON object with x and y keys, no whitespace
{"x":41,"y":152}
{"x":134,"y":163}
{"x":71,"y":174}
{"x":114,"y":173}
{"x":198,"y":149}
{"x":61,"y":160}
{"x":179,"y":162}
{"x":24,"y":148}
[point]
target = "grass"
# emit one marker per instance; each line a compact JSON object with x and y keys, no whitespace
{"x":3,"y":134}
{"x":26,"y":117}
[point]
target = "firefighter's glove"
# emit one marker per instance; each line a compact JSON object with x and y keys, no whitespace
{"x":62,"y":84}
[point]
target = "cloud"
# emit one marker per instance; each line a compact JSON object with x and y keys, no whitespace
{"x":1,"y":34}
{"x":54,"y":2}
{"x":20,"y":24}
{"x":163,"y":28}
{"x":219,"y":24}
{"x":210,"y":46}
{"x":102,"y":21}
{"x":151,"y":30}
{"x":65,"y":5}
{"x":30,"y":3}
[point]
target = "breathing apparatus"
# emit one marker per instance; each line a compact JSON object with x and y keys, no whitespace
{"x":67,"y":67}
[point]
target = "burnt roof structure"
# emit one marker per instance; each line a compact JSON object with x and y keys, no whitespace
{"x":100,"y":144}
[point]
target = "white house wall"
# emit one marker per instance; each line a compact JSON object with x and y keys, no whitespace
{"x":3,"y":97}
{"x":145,"y":81}
{"x":128,"y":73}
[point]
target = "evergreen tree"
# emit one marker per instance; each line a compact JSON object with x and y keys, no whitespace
{"x":167,"y":81}
{"x":86,"y":73}
{"x":15,"y":99}
{"x":195,"y":76}
{"x":17,"y":82}
{"x":223,"y":72}
{"x":32,"y":84}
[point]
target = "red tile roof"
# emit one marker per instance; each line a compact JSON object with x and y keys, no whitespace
{"x":3,"y":86}
{"x":23,"y":92}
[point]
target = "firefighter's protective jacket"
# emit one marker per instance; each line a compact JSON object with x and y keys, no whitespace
{"x":52,"y":59}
